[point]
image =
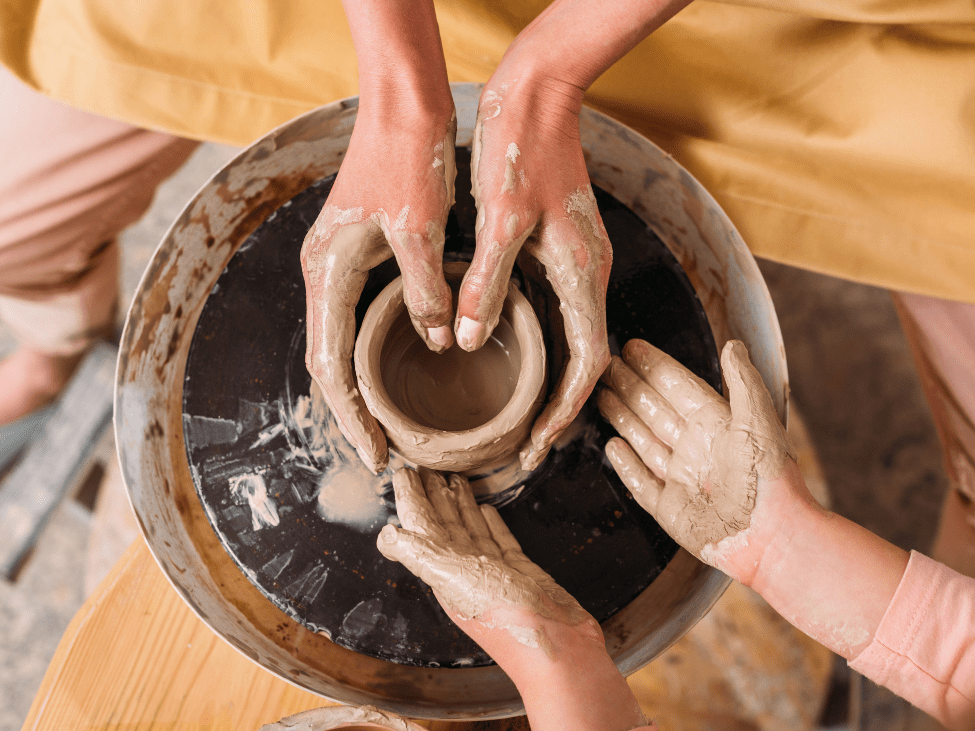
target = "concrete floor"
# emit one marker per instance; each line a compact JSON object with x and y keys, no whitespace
{"x":851,"y":375}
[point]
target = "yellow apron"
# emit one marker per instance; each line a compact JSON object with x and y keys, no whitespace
{"x":839,"y":135}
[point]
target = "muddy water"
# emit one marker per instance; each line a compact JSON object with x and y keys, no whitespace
{"x":454,"y":390}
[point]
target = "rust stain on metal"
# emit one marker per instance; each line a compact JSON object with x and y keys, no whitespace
{"x":150,"y":310}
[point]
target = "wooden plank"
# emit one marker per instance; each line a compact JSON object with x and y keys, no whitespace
{"x":136,"y":658}
{"x":48,"y":469}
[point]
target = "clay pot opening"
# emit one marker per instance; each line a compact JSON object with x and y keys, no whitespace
{"x":454,"y":390}
{"x":453,"y":410}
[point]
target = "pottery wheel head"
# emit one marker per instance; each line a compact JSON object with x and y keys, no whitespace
{"x":292,"y":503}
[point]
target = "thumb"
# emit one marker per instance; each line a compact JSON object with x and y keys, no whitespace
{"x":425,"y":291}
{"x":752,"y":407}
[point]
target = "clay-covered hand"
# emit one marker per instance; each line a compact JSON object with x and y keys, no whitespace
{"x":547,"y":644}
{"x":533,"y":194}
{"x":698,"y":464}
{"x":476,"y":568}
{"x":391,"y":197}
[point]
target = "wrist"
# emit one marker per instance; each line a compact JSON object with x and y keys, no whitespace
{"x":400,"y":58}
{"x":783,"y":520}
{"x":577,"y":41}
{"x":572,"y":683}
{"x":405,"y":99}
{"x":831,"y":578}
{"x":533,"y":106}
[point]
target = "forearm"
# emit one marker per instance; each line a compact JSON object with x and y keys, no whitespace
{"x":830,"y":577}
{"x":400,"y":56}
{"x":575,"y":41}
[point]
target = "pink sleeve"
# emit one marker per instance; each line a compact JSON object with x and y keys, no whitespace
{"x":924,"y":649}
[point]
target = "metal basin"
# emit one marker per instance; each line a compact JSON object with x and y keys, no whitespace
{"x":153,"y":356}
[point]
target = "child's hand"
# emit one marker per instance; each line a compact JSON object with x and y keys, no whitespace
{"x":698,"y":464}
{"x":548,"y":645}
{"x":474,"y":565}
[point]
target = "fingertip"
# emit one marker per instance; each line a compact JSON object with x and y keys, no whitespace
{"x":459,"y":482}
{"x":439,"y":338}
{"x":471,"y":334}
{"x":639,"y":354}
{"x":732,"y":354}
{"x":403,"y":475}
{"x":613,"y":448}
{"x":533,"y":455}
{"x":375,"y":460}
{"x":739,"y":371}
{"x":365,"y":435}
{"x":387,"y":542}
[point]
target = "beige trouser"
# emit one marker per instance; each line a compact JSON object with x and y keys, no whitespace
{"x":942,"y":338}
{"x":69,"y":183}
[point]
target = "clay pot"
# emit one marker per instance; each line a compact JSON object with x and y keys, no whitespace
{"x":362,"y":718}
{"x":454,"y":410}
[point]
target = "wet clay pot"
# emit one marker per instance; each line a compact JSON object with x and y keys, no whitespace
{"x":454,"y":410}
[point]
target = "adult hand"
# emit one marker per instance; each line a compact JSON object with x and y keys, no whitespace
{"x":708,"y":471}
{"x":548,"y":645}
{"x":532,"y":189}
{"x":391,"y":197}
{"x":532,"y":193}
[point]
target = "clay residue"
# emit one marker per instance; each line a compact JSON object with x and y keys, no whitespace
{"x":510,"y":174}
{"x":347,"y":492}
{"x":252,"y":489}
{"x":345,"y":717}
{"x":699,"y":476}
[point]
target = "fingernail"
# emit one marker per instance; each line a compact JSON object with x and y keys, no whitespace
{"x":442,"y":336}
{"x":469,"y":333}
{"x":388,"y":534}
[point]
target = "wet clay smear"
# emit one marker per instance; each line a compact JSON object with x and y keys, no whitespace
{"x":299,"y":512}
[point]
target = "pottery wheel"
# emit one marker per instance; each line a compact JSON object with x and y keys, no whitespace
{"x":298,"y":512}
